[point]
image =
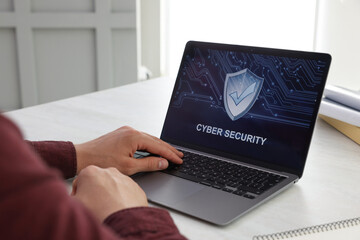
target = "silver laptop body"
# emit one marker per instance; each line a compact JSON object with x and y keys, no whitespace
{"x":241,"y":114}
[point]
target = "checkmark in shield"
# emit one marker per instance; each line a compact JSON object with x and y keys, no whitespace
{"x":240,"y":92}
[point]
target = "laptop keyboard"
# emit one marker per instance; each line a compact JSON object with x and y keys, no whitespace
{"x":240,"y":180}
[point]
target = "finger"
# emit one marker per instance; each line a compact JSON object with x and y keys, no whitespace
{"x":165,"y":144}
{"x":74,"y":187}
{"x":161,"y":148}
{"x":177,"y":152}
{"x":148,"y":164}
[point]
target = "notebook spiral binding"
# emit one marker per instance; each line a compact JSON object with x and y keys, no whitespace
{"x":310,"y":230}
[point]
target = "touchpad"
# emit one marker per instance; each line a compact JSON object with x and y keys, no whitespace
{"x":166,"y":189}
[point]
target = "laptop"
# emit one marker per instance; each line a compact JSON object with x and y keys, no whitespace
{"x":244,"y":117}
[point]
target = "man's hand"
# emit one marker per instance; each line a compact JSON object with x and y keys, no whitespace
{"x":105,"y":191}
{"x":116,"y":149}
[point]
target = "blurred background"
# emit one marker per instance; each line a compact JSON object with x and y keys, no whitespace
{"x":54,"y":49}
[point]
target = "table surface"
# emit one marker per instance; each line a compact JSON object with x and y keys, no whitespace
{"x":328,"y":191}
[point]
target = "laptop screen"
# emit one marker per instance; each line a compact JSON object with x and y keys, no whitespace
{"x":248,"y":103}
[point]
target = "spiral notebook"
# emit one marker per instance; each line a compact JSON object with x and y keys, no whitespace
{"x":347,"y":229}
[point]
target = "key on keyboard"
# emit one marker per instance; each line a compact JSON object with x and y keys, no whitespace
{"x":240,"y":180}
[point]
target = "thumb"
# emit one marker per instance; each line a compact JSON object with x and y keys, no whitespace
{"x":151,"y":164}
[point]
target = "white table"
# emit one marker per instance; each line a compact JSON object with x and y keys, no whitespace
{"x":329,"y":190}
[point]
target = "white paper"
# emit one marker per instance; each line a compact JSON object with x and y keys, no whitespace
{"x":340,"y":112}
{"x":344,"y":96}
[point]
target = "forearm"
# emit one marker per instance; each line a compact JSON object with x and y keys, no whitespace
{"x":144,"y":223}
{"x":57,"y":154}
{"x":35,"y":204}
{"x":34,"y":201}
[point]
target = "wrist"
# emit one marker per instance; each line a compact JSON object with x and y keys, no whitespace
{"x":80,"y":157}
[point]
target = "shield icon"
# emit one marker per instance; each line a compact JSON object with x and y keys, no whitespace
{"x":240,"y":92}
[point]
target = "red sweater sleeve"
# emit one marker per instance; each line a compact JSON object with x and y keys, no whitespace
{"x":57,"y":154}
{"x":34,"y":203}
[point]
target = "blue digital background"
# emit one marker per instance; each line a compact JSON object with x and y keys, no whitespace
{"x":282,"y":113}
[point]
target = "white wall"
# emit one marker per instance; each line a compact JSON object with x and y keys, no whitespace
{"x":9,"y":78}
{"x":338,"y":32}
{"x":150,"y":35}
{"x":51,"y":49}
{"x":275,"y":23}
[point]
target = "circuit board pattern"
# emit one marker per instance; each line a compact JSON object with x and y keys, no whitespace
{"x":288,"y":94}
